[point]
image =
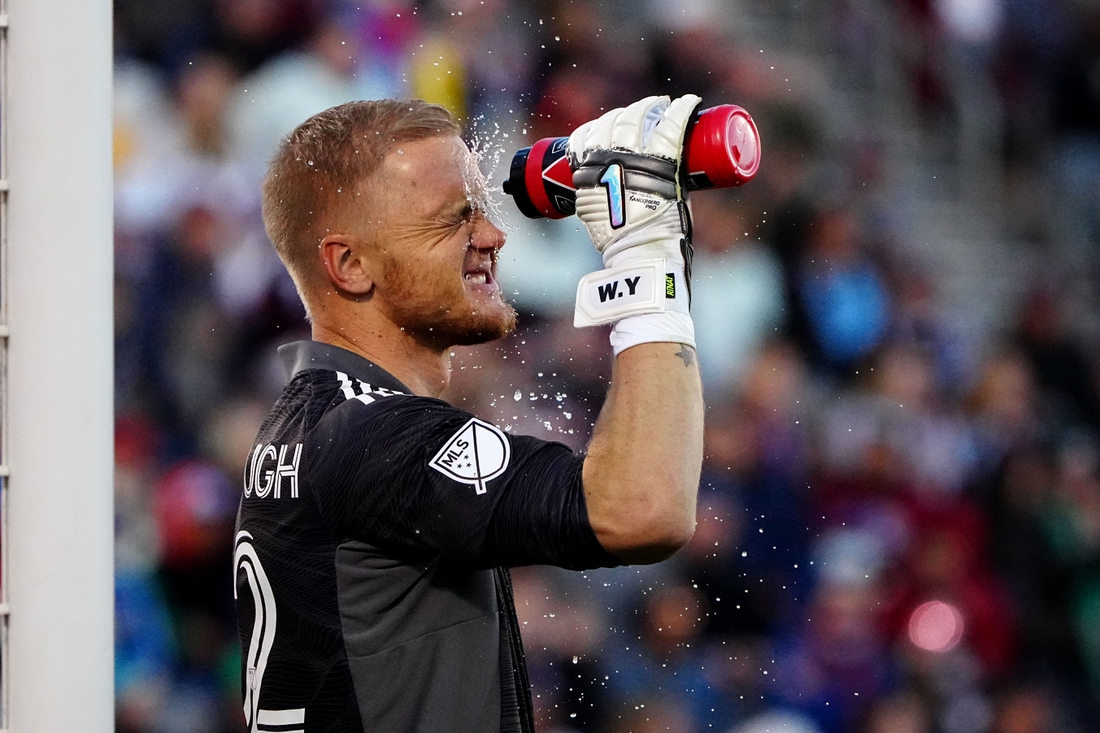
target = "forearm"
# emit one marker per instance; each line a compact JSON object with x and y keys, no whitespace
{"x":642,"y":471}
{"x":641,"y":475}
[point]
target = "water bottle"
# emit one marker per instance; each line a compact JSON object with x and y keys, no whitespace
{"x":721,"y":149}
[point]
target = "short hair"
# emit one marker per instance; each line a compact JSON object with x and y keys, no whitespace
{"x":335,"y":151}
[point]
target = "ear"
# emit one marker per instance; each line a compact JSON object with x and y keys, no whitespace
{"x":346,"y":265}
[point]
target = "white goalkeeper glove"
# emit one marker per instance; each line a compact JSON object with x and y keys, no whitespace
{"x":627,"y":175}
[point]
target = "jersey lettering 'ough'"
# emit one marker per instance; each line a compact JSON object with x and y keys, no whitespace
{"x":267,"y":467}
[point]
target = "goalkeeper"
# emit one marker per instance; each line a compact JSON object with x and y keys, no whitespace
{"x":377,"y":522}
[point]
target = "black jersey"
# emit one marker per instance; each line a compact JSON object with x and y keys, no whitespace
{"x":371,"y":547}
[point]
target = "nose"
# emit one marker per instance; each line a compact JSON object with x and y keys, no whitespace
{"x":486,"y":235}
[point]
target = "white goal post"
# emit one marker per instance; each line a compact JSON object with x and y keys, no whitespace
{"x":56,"y":251}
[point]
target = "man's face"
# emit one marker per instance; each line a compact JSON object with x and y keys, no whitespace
{"x":437,"y":247}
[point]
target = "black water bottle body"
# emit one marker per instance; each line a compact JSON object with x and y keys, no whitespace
{"x":721,"y":149}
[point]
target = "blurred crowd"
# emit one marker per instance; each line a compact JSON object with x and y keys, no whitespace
{"x":899,"y":518}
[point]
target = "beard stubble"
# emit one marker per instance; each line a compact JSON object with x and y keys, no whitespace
{"x":433,"y":308}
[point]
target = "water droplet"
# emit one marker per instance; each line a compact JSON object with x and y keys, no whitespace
{"x":517,"y":396}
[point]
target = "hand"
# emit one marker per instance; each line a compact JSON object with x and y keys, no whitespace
{"x":630,"y":199}
{"x":627,"y":166}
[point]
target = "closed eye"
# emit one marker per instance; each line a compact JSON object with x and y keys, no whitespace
{"x":465,"y":216}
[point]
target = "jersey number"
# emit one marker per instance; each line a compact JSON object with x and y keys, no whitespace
{"x":259,"y":648}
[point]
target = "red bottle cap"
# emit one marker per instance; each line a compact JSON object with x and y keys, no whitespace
{"x":724,"y":147}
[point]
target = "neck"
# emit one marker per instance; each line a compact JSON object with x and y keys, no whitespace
{"x":423,"y":368}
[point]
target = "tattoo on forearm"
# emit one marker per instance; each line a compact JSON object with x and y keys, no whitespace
{"x":688,"y":355}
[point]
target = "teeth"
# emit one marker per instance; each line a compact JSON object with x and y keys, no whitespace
{"x":479,"y":278}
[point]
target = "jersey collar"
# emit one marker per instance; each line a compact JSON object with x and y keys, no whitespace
{"x":301,"y":355}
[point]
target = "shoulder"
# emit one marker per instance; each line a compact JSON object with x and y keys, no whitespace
{"x":380,"y":415}
{"x":346,"y":412}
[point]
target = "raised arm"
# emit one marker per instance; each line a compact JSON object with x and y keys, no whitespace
{"x":642,"y":471}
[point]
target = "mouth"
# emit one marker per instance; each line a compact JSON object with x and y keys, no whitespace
{"x":481,"y":279}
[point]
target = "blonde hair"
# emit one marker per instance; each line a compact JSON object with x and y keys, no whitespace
{"x":334,"y":151}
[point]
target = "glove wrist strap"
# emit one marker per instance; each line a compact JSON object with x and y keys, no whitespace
{"x":668,"y":327}
{"x":645,"y":298}
{"x":632,"y":288}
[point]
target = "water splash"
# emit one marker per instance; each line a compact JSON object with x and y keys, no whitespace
{"x":488,"y":147}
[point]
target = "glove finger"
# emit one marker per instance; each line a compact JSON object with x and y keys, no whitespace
{"x":600,"y":132}
{"x":593,"y":135}
{"x":578,"y":143}
{"x":668,"y":138}
{"x":636,"y":121}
